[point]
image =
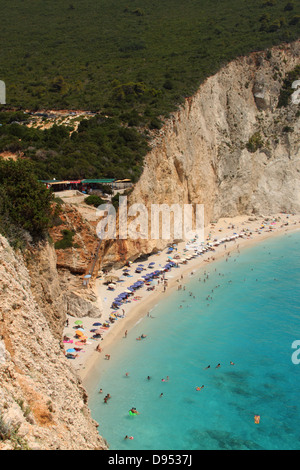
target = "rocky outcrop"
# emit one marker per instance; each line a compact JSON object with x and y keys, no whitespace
{"x":75,"y":259}
{"x":57,"y":291}
{"x":43,"y":404}
{"x":78,"y":306}
{"x":228,"y":147}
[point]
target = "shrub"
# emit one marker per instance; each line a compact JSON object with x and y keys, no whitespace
{"x":66,"y":241}
{"x":289,"y":6}
{"x":295,"y":20}
{"x":94,"y":200}
{"x":255,"y":142}
{"x":288,"y":129}
{"x":25,"y":202}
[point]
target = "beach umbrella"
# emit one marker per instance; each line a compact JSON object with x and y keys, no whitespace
{"x":79,"y":333}
{"x":97,"y":324}
{"x":78,"y":322}
{"x":71,"y":350}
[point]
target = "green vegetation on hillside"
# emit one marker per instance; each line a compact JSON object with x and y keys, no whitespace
{"x":100,"y":146}
{"x":66,"y":241}
{"x":131,"y":61}
{"x":132,"y":58}
{"x":25,"y":204}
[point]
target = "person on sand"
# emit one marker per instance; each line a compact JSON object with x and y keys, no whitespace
{"x":107,"y":356}
{"x":125,"y":334}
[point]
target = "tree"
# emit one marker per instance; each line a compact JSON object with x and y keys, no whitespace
{"x":27,"y":203}
{"x":94,"y":200}
{"x":289,"y":6}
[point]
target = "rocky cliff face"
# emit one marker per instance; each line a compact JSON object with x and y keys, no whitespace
{"x":228,"y":147}
{"x":43,"y":404}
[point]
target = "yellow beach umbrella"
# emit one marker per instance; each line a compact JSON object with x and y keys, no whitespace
{"x":79,"y":333}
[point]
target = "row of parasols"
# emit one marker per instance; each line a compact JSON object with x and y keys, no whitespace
{"x":117,"y":302}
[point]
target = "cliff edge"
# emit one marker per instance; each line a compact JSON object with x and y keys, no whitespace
{"x":43,"y":405}
{"x":229,"y":147}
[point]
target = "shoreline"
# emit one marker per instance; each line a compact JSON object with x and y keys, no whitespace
{"x":86,"y":366}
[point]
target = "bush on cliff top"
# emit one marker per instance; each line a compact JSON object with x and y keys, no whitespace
{"x":25,"y":203}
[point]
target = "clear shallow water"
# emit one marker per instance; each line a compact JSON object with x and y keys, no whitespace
{"x":252,"y":320}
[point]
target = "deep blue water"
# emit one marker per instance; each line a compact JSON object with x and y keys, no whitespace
{"x":251,"y":318}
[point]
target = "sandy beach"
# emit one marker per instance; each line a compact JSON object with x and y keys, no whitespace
{"x":222,"y":239}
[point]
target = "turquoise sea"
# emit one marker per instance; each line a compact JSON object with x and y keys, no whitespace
{"x":245,"y":310}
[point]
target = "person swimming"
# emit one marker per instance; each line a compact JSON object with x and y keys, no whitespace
{"x":133,"y":411}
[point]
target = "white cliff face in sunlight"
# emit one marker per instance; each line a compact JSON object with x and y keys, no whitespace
{"x":296,"y":95}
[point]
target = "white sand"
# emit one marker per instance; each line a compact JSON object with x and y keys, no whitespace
{"x":249,"y":231}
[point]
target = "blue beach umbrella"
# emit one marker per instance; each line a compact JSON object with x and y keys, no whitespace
{"x":71,"y":350}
